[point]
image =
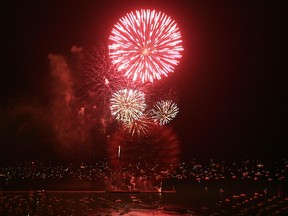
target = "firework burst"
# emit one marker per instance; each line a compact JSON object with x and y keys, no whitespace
{"x":95,"y":81}
{"x":145,"y":45}
{"x":96,"y":76}
{"x":164,"y":111}
{"x":139,"y":127}
{"x":127,"y":105}
{"x":160,"y":146}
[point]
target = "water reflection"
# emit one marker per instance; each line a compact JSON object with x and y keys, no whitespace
{"x":192,"y":201}
{"x":88,"y":203}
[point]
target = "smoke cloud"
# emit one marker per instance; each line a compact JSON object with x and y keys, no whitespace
{"x":71,"y":128}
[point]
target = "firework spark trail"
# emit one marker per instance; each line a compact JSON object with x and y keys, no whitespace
{"x":127,"y":105}
{"x":164,"y":111}
{"x":145,"y":45}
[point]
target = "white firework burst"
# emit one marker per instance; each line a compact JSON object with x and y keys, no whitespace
{"x":164,"y":111}
{"x":127,"y":105}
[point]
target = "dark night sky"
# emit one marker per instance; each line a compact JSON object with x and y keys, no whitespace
{"x":231,"y":83}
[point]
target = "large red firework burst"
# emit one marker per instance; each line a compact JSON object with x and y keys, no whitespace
{"x":160,"y":147}
{"x":145,"y":45}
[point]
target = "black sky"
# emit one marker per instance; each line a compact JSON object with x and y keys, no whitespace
{"x":231,"y":79}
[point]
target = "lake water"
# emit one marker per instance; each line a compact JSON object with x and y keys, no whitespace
{"x":187,"y":200}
